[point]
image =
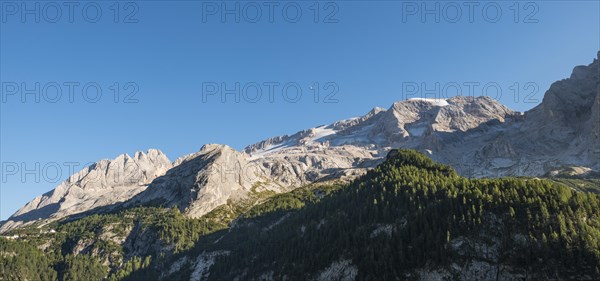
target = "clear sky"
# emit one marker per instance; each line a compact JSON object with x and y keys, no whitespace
{"x":171,"y":54}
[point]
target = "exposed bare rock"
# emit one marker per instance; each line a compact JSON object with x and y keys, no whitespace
{"x":342,"y":270}
{"x":102,"y":184}
{"x":218,"y":173}
{"x":201,"y":181}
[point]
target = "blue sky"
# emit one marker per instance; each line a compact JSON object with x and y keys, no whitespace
{"x":168,"y":52}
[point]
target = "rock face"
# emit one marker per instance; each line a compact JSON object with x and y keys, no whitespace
{"x":202,"y":181}
{"x":438,"y":127}
{"x":102,"y":184}
{"x":562,"y":131}
{"x":478,"y":136}
{"x":403,"y":123}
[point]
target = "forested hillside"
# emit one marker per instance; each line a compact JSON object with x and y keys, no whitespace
{"x":409,"y":218}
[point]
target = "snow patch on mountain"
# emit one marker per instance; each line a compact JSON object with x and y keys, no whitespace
{"x":321,"y":132}
{"x":436,"y":102}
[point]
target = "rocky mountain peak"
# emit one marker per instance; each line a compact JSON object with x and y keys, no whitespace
{"x":201,"y":181}
{"x":214,"y":146}
{"x":420,"y":117}
{"x":103,"y":183}
{"x":570,"y":100}
{"x":375,"y":111}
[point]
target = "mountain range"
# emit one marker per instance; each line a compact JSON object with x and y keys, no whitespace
{"x":461,"y":188}
{"x":477,"y":136}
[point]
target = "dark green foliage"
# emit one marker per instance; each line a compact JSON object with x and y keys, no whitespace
{"x":23,"y":261}
{"x":403,"y":215}
{"x":129,"y":271}
{"x":427,"y":205}
{"x":82,"y":267}
{"x":295,"y":199}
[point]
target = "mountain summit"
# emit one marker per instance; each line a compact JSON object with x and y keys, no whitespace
{"x":103,"y":183}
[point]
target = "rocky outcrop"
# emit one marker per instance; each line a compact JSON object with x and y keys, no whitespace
{"x":104,"y":183}
{"x":216,"y":174}
{"x":201,"y":181}
{"x":560,"y":132}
